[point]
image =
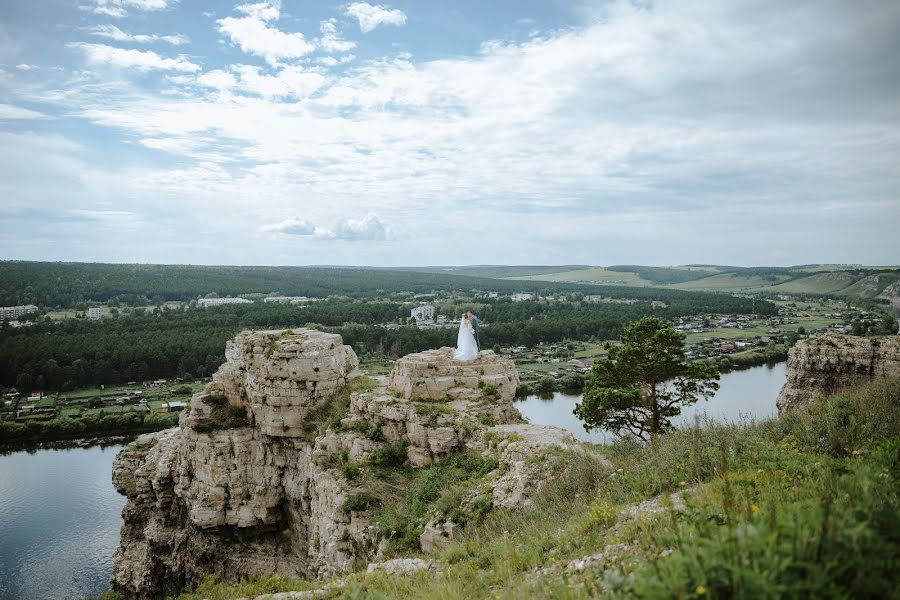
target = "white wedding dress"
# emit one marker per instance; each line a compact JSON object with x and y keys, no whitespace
{"x":466,"y":348}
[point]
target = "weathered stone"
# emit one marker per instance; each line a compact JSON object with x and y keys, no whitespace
{"x":437,"y":537}
{"x":521,"y":450}
{"x":400,"y":566}
{"x":433,"y":374}
{"x":249,"y":500}
{"x":824,"y":364}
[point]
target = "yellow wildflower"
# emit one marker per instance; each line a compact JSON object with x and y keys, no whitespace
{"x":701,"y":591}
{"x":754,"y":509}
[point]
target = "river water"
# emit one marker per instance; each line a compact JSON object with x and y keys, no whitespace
{"x":748,"y":393}
{"x":59,"y":523}
{"x":60,"y":516}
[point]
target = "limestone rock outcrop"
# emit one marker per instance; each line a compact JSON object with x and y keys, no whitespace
{"x":249,"y":483}
{"x":824,"y":364}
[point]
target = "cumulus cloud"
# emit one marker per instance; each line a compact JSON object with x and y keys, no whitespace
{"x":369,"y":228}
{"x":331,"y":41}
{"x":253,"y":34}
{"x":25,"y":67}
{"x":118,"y":8}
{"x":371,"y":16}
{"x":291,"y":226}
{"x":142,"y":60}
{"x":288,"y":82}
{"x":114,"y":33}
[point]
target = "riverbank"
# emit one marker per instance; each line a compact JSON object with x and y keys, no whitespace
{"x":65,"y":432}
{"x":85,"y":442}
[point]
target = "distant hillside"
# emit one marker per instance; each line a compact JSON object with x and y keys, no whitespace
{"x":497,"y":271}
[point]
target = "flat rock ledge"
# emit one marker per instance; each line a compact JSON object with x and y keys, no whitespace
{"x":433,"y":374}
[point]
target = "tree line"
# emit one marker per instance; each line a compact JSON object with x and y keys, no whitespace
{"x":189,"y":341}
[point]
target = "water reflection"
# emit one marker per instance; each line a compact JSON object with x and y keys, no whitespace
{"x":59,"y":523}
{"x":748,"y":393}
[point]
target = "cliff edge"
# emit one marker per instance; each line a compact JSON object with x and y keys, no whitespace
{"x":824,"y":364}
{"x":255,"y":478}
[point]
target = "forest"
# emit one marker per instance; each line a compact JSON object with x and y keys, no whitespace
{"x":189,"y":341}
{"x":68,"y":285}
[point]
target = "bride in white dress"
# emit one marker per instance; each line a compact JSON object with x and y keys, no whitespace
{"x":466,"y":348}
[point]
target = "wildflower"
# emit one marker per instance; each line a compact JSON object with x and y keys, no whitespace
{"x":701,"y":591}
{"x":754,"y":509}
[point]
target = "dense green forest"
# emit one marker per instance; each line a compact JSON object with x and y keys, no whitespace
{"x":189,"y":341}
{"x":70,"y":284}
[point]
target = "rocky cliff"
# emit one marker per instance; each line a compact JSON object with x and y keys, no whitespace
{"x":250,"y":482}
{"x":824,"y":364}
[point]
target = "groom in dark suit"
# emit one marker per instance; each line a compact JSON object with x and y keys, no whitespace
{"x":474,"y":321}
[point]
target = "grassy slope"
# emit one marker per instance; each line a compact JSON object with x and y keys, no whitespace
{"x":591,"y":275}
{"x":803,"y":506}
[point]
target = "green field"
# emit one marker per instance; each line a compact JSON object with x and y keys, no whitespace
{"x":591,"y":275}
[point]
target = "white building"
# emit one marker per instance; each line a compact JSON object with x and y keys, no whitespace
{"x":11,"y":313}
{"x":422,"y":313}
{"x":289,"y":299}
{"x":207,"y":302}
{"x":94,"y":313}
{"x":521,"y":297}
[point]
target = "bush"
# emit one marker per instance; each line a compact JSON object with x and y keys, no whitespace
{"x":392,"y":455}
{"x":362,"y":501}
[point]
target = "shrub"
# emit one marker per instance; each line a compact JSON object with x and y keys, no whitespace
{"x":362,"y":501}
{"x":392,"y":455}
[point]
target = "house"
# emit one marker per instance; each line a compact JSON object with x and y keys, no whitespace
{"x":207,"y":302}
{"x":12,"y":313}
{"x":156,"y":383}
{"x":422,"y":313}
{"x":727,"y":348}
{"x":521,"y":297}
{"x":289,"y":300}
{"x":94,"y":313}
{"x":176,"y":406}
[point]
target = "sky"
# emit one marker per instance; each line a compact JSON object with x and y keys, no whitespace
{"x":448,"y":133}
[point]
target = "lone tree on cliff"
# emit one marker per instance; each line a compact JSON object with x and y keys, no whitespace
{"x":644,"y":382}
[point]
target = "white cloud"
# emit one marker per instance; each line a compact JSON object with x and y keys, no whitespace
{"x":114,"y":33}
{"x":218,"y":79}
{"x":331,"y":41}
{"x":10,"y":112}
{"x":254,"y":36}
{"x":26,"y":67}
{"x":655,"y":125}
{"x":371,"y":16}
{"x":118,"y":8}
{"x":291,"y":226}
{"x":142,"y":60}
{"x":287,"y":82}
{"x":369,"y":228}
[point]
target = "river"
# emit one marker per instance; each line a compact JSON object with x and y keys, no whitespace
{"x":748,"y":393}
{"x":59,"y":523}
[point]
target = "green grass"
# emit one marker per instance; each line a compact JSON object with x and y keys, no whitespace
{"x":803,"y":506}
{"x":592,"y":275}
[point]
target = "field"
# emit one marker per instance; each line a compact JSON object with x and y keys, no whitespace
{"x":590,"y":275}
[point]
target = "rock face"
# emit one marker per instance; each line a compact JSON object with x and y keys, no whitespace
{"x":824,"y":364}
{"x":248,"y":483}
{"x":235,"y":490}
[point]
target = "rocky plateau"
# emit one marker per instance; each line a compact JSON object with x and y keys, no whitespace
{"x":247,"y":484}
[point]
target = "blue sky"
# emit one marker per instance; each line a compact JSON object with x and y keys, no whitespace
{"x":411,"y":133}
